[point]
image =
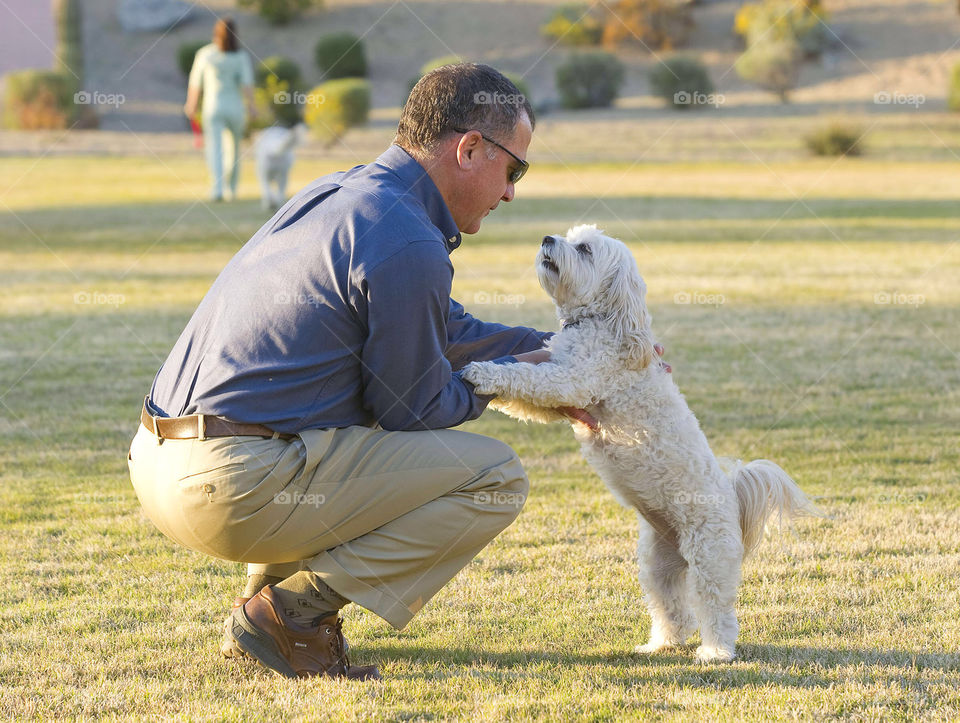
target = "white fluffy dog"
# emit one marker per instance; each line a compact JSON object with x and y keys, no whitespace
{"x":274,"y":154}
{"x":697,"y":521}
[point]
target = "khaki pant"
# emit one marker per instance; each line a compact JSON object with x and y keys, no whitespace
{"x":384,"y":518}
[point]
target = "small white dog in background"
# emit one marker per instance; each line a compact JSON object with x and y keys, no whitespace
{"x":697,"y":521}
{"x":275,"y":154}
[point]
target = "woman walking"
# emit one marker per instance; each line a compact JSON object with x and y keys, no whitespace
{"x":223,"y":75}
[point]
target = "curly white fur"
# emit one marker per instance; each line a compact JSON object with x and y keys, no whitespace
{"x":697,"y":522}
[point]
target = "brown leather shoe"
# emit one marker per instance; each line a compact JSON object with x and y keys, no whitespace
{"x":262,"y":630}
{"x":228,"y":646}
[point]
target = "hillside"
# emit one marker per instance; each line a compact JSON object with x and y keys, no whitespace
{"x":905,"y":46}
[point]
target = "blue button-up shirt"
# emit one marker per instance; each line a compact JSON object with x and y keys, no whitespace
{"x":337,"y":313}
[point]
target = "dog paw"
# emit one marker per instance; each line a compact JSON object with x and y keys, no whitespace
{"x":654,"y":646}
{"x":481,"y":379}
{"x":714,"y":655}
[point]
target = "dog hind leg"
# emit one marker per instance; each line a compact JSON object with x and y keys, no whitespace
{"x":713,"y":575}
{"x":663,"y":577}
{"x":281,"y":178}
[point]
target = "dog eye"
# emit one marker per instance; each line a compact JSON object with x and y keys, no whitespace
{"x":584,"y":249}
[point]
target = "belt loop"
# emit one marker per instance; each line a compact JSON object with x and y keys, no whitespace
{"x":201,"y":427}
{"x":156,"y":430}
{"x":276,"y":435}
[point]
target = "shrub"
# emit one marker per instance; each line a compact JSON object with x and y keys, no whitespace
{"x":773,"y":65}
{"x":679,"y":78}
{"x":573,"y":24}
{"x":39,"y":99}
{"x":433,"y":65}
{"x":453,"y":59}
{"x":783,"y":20}
{"x":835,"y":139}
{"x":520,"y":83}
{"x":280,"y":12}
{"x":656,"y":24}
{"x":276,"y":101}
{"x":953,"y":94}
{"x":341,"y":55}
{"x":186,"y":53}
{"x":280,"y":69}
{"x":439,"y":63}
{"x":589,"y":80}
{"x":340,"y":104}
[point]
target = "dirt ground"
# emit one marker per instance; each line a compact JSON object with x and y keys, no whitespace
{"x":905,"y":47}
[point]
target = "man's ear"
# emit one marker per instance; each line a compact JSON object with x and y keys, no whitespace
{"x":467,"y":150}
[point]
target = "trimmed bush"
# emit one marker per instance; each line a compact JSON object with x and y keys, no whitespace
{"x":773,"y":65}
{"x":589,"y":80}
{"x":835,"y":139}
{"x":453,"y":59}
{"x":573,"y":24}
{"x":280,"y":12}
{"x":953,"y":93}
{"x":341,"y":55}
{"x":276,"y":102}
{"x":337,"y":106}
{"x":433,"y":65}
{"x":521,"y":85}
{"x":280,"y":69}
{"x":439,"y":63}
{"x":186,"y":53}
{"x":35,"y":99}
{"x":679,"y":79}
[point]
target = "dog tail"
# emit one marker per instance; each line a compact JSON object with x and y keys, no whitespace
{"x":765,"y":492}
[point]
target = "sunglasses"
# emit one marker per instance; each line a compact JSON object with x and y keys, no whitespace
{"x":517,"y":173}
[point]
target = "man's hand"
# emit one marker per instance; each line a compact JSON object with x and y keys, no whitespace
{"x":666,"y":367}
{"x":537,"y":356}
{"x":580,"y":415}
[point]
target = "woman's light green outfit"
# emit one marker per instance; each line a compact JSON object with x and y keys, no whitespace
{"x":222,"y":76}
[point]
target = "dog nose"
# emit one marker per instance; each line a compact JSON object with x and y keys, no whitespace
{"x":548,"y":241}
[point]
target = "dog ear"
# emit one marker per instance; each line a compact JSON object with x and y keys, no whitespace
{"x":627,"y":308}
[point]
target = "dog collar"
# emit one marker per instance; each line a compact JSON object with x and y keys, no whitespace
{"x":566,"y":324}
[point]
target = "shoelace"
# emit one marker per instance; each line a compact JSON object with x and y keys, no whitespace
{"x":341,"y":650}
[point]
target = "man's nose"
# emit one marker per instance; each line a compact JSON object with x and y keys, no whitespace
{"x":509,"y":193}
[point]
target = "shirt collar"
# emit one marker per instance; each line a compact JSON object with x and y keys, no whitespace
{"x":422,"y":187}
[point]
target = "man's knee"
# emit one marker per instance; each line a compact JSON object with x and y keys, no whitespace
{"x":503,"y":485}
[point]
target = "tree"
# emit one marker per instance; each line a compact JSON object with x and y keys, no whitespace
{"x":773,"y":65}
{"x":657,"y":24}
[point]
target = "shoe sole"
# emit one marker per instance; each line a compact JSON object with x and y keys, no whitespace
{"x":228,"y":646}
{"x":258,"y":645}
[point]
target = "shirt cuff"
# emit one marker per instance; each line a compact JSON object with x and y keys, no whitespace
{"x":484,"y":398}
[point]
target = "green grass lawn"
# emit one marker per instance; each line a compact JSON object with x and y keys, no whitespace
{"x":810,"y":309}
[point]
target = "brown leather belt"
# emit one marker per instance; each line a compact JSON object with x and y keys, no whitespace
{"x":202,"y":426}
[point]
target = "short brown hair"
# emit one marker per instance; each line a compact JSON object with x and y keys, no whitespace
{"x":470,"y":96}
{"x":225,"y":35}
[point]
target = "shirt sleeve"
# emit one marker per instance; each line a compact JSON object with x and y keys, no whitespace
{"x":469,"y":339}
{"x":196,"y":71}
{"x":408,"y":383}
{"x":246,"y":70}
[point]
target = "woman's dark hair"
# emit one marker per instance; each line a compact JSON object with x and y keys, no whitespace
{"x":463,"y":95}
{"x":225,"y":35}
